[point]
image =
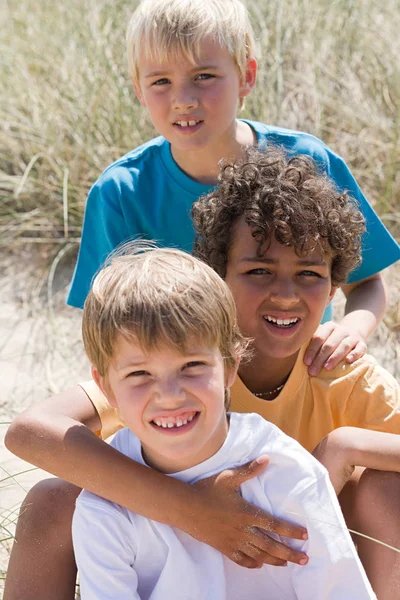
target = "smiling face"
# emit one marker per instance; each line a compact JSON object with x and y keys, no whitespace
{"x":174,"y":403}
{"x":194,"y":105}
{"x":280,"y":297}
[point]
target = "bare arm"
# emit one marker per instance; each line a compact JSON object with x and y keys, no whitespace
{"x":366,"y":302}
{"x":347,"y":447}
{"x":57,"y":435}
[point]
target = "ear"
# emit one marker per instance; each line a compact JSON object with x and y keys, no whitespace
{"x":138,"y":93}
{"x":249,"y":78}
{"x":104,"y":386}
{"x":331,"y":294}
{"x":231,"y":373}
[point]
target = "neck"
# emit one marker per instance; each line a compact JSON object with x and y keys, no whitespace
{"x":202,"y":164}
{"x":264,"y":374}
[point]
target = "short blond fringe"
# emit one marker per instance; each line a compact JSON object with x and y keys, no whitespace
{"x":175,"y":28}
{"x":159,"y":297}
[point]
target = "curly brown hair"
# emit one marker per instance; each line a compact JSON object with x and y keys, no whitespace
{"x":287,"y":197}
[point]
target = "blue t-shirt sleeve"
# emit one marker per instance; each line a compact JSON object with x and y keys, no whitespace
{"x":104,"y":228}
{"x":379,"y":248}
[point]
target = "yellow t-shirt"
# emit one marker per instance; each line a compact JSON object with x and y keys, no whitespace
{"x":363,"y":394}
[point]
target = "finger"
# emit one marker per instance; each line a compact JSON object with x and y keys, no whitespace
{"x":261,"y":557}
{"x":233,"y":478}
{"x":336,"y":343}
{"x":318,"y":339}
{"x":243,"y":560}
{"x":268,"y":522}
{"x":341,"y":352}
{"x":263,"y":547}
{"x":357,"y":352}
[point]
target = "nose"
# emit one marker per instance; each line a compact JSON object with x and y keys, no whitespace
{"x":185,"y":98}
{"x":170,"y":393}
{"x":283,"y":293}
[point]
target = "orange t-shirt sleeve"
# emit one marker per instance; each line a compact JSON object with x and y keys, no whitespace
{"x":110,"y":418}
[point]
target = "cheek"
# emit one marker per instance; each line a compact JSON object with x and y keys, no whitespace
{"x":155,"y":103}
{"x":220,"y":96}
{"x":317,"y":300}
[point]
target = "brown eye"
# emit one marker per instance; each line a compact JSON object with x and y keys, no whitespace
{"x":137,"y":373}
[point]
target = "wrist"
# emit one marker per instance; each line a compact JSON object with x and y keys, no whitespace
{"x":360,"y":322}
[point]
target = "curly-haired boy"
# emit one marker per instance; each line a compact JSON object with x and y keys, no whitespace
{"x":283,"y":238}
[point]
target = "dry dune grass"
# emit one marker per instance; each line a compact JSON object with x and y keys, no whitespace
{"x":329,"y":67}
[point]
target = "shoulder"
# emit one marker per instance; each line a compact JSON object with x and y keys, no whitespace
{"x":132,"y":164}
{"x":127,"y":443}
{"x":296,"y":142}
{"x":365,"y":369}
{"x":288,"y":459}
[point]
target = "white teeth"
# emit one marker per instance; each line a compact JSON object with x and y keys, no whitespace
{"x":169,"y":424}
{"x":187,"y":123}
{"x":281,"y":322}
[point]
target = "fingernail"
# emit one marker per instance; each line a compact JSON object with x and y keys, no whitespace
{"x":261,"y":460}
{"x":327,"y":365}
{"x":312,"y":371}
{"x":303,"y":561}
{"x":307,"y":360}
{"x":305,"y":536}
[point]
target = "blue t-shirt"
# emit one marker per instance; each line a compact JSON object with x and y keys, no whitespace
{"x":146,"y":194}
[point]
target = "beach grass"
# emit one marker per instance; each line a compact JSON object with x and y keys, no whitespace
{"x":328,"y":67}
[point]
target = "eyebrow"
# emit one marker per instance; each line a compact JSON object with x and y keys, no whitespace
{"x":129,"y":363}
{"x":165,"y":72}
{"x":302,"y":262}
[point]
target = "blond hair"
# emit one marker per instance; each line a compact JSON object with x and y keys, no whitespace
{"x":166,"y":28}
{"x":158,"y":297}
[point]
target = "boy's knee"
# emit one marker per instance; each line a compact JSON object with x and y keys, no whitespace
{"x":379,"y":484}
{"x":378,"y":495}
{"x":47,"y":508}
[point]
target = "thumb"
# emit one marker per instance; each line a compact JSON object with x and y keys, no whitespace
{"x":233,"y":478}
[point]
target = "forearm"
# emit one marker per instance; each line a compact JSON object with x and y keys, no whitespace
{"x":68,"y":449}
{"x":348,"y":447}
{"x":365,"y":305}
{"x":372,"y":449}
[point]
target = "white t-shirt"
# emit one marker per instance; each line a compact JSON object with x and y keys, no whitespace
{"x":122,"y":555}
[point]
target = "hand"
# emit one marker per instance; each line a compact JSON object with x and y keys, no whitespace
{"x":333,"y":453}
{"x":238,"y":529}
{"x":332,"y":343}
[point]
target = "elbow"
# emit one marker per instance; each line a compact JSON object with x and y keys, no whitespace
{"x":20,"y":433}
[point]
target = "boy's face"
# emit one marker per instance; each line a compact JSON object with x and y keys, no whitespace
{"x":174,"y":403}
{"x":194,"y":105}
{"x":280,"y":297}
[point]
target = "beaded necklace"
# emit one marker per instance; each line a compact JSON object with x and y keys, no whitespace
{"x":270,"y":392}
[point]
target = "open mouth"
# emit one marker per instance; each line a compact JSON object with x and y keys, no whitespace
{"x":191,"y":123}
{"x":288,"y":323}
{"x":188,"y":124}
{"x":182,"y":421}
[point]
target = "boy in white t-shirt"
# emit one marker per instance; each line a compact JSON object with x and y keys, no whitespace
{"x":159,"y":327}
